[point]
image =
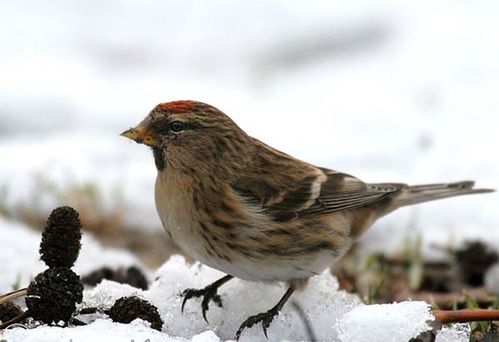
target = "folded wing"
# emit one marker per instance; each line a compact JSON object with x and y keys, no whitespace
{"x":320,"y":191}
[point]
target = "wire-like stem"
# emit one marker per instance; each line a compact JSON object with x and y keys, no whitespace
{"x":466,"y":315}
{"x":306,"y":321}
{"x":14,"y":320}
{"x":13,"y":295}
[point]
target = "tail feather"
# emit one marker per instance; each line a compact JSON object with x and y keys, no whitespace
{"x":428,"y":192}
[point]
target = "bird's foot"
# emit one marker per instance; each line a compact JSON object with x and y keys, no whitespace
{"x":265,"y":318}
{"x":209,"y":293}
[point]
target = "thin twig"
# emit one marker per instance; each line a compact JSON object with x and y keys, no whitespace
{"x":77,"y":322}
{"x":88,"y":311}
{"x":13,"y":295}
{"x":466,"y":315}
{"x":306,"y":322}
{"x":14,"y":320}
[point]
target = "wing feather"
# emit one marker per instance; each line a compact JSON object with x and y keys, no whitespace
{"x":323,"y":192}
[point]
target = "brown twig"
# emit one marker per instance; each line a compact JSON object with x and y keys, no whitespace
{"x":77,"y":322}
{"x":14,"y":320}
{"x":88,"y":311}
{"x":466,"y":315}
{"x":13,"y":295}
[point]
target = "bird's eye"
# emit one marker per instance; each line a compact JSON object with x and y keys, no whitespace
{"x":177,"y":126}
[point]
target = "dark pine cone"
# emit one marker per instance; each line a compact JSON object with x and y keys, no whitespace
{"x":132,"y":276}
{"x":61,"y":238}
{"x":53,"y":295}
{"x":9,"y":311}
{"x":126,"y":309}
{"x":474,"y":259}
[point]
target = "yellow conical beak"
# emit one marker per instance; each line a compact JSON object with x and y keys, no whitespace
{"x":141,"y":136}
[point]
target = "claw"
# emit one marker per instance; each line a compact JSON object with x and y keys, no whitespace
{"x":265,"y":324}
{"x":183,"y":304}
{"x":188,"y":294}
{"x":265,"y":318}
{"x":209,"y":293}
{"x":205,"y":307}
{"x":184,"y":294}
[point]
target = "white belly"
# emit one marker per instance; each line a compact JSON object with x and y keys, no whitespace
{"x":274,"y":269}
{"x":179,"y":220}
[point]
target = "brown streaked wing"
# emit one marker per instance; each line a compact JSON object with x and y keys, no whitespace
{"x":282,"y":203}
{"x":338,"y":192}
{"x":342,"y":191}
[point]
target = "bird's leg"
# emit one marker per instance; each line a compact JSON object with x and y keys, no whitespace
{"x":265,"y":317}
{"x":209,"y":293}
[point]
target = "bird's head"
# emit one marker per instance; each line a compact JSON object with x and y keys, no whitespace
{"x":183,"y":134}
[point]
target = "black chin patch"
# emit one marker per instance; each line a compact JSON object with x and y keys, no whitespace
{"x":159,"y":158}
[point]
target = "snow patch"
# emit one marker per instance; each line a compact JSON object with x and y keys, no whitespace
{"x":454,"y":333}
{"x":385,"y":322}
{"x":334,"y":315}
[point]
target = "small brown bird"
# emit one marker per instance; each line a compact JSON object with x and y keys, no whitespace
{"x":248,"y":210}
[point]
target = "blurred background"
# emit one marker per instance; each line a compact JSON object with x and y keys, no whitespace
{"x":387,"y":91}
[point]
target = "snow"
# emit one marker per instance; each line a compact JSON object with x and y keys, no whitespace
{"x":243,"y":299}
{"x":455,"y":333}
{"x":386,"y":91}
{"x":100,"y":330}
{"x":138,"y":330}
{"x":333,"y":314}
{"x":385,"y":322}
{"x":383,"y":90}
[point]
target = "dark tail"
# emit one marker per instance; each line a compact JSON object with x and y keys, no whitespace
{"x":429,"y":192}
